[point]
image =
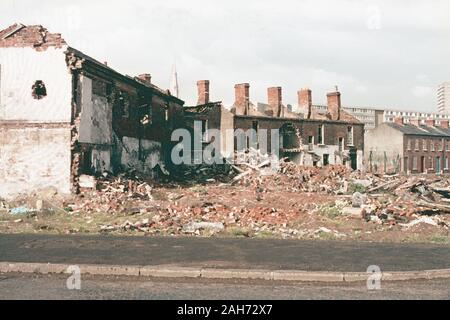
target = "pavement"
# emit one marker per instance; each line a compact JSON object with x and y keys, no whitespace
{"x":222,"y":258}
{"x":37,"y":286}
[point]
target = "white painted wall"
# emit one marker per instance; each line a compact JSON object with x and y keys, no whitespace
{"x":34,"y":158}
{"x":96,"y":116}
{"x":20,"y":68}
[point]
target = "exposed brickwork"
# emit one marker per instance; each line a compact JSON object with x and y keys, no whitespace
{"x":333,"y":130}
{"x":430,"y":122}
{"x":333,"y":141}
{"x":145,"y":78}
{"x":421,"y":154}
{"x":408,"y":148}
{"x":242,"y":98}
{"x":398,"y":120}
{"x":203,"y":92}
{"x":274,"y":99}
{"x":305,"y":102}
{"x":334,"y":105}
{"x":35,"y":36}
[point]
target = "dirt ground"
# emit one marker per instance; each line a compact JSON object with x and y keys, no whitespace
{"x":257,"y":206}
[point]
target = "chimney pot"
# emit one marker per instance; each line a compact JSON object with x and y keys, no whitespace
{"x":430,"y":122}
{"x":203,"y":92}
{"x":399,"y":120}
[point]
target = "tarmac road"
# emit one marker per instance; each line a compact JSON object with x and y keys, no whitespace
{"x":222,"y":253}
{"x":32,"y":286}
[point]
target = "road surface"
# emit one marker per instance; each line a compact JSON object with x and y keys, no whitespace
{"x":223,"y":253}
{"x":31,"y":286}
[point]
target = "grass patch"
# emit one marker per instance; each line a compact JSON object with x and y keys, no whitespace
{"x":265,"y":234}
{"x":331,"y":211}
{"x":438,"y":238}
{"x":326,"y":235}
{"x":356,"y":187}
{"x":239,"y":232}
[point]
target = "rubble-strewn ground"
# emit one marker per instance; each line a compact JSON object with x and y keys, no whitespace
{"x":248,"y":201}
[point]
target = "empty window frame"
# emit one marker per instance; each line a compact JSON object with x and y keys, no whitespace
{"x":350,"y":136}
{"x":320,"y":134}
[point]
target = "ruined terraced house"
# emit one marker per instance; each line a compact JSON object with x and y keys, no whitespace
{"x":62,"y":114}
{"x":311,"y":138}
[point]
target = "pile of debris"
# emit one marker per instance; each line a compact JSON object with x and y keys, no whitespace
{"x":195,"y":174}
{"x":259,"y":195}
{"x":111,"y":194}
{"x":398,"y":199}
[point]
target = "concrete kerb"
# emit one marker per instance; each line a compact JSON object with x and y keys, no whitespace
{"x":169,"y":272}
{"x":213,"y":273}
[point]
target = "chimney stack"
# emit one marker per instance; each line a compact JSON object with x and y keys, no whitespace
{"x":430,"y":122}
{"x":444,"y":124}
{"x":274,"y":100}
{"x":305,"y":102}
{"x":399,"y":120}
{"x":334,"y":104}
{"x":415,"y":122}
{"x":242,"y":98}
{"x":203,"y":92}
{"x":145,"y":78}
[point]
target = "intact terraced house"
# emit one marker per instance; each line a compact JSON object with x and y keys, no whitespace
{"x":62,"y":114}
{"x":316,"y":138}
{"x":409,"y":147}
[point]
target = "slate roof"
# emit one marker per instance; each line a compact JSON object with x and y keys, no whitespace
{"x":410,"y":129}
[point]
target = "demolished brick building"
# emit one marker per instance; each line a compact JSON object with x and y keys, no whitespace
{"x":316,"y":138}
{"x":62,"y":114}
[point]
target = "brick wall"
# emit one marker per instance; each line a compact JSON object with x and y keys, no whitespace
{"x":36,"y":37}
{"x":420,"y":156}
{"x":332,"y":130}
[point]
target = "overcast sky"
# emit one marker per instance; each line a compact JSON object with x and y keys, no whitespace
{"x":379,"y":52}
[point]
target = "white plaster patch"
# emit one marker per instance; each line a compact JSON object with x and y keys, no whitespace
{"x":20,"y":68}
{"x":96,"y":116}
{"x":34,"y":158}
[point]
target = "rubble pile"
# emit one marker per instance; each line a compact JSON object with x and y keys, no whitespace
{"x":330,"y":179}
{"x":386,"y":199}
{"x":261,"y":197}
{"x":202,"y":173}
{"x":400,"y":199}
{"x":111,"y":194}
{"x":390,"y":200}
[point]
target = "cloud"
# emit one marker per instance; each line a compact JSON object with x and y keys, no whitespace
{"x":379,"y":52}
{"x":422,"y":91}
